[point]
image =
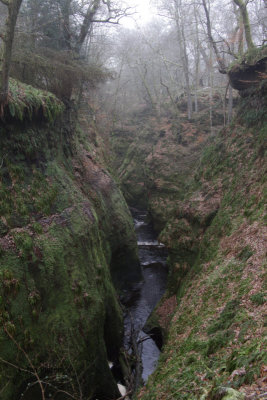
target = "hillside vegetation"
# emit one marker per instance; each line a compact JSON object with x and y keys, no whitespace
{"x":64,"y":231}
{"x":206,"y":195}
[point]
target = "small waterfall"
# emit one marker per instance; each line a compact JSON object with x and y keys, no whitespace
{"x":152,"y":255}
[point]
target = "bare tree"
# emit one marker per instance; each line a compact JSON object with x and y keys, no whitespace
{"x":75,"y":20}
{"x":178,"y":13}
{"x":220,"y":60}
{"x":7,"y":37}
{"x":245,"y":19}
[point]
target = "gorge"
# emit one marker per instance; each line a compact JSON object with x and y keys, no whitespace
{"x":132,"y":213}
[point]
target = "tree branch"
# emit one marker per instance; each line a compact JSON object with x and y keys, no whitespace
{"x":245,"y":19}
{"x":222,"y":66}
{"x":16,"y":366}
{"x":28,"y":359}
{"x":124,"y":397}
{"x":6,"y":2}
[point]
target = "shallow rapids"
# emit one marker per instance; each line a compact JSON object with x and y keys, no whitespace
{"x":152,"y":255}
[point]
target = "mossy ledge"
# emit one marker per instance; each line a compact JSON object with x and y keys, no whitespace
{"x":26,"y":102}
{"x":64,"y":230}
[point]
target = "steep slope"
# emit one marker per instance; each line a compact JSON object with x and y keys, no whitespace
{"x":205,"y":194}
{"x":64,"y":231}
{"x":217,"y":245}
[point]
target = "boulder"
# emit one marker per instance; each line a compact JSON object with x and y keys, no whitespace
{"x":248,"y":76}
{"x":225,"y":393}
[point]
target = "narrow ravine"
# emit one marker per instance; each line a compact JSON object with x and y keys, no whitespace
{"x":152,"y":257}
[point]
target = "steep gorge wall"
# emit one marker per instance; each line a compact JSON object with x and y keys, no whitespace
{"x":65,"y":230}
{"x":205,"y":194}
{"x":216,"y":302}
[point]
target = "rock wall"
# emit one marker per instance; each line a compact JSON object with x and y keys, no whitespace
{"x":65,"y":230}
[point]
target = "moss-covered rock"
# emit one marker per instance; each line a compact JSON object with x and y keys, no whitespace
{"x":225,"y":393}
{"x":248,"y":74}
{"x":27,"y":102}
{"x":65,"y":231}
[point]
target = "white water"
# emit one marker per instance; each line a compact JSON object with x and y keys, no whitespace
{"x":152,"y":257}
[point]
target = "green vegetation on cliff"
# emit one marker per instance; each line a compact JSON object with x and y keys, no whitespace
{"x":64,"y":230}
{"x":206,"y":196}
{"x":216,"y":237}
{"x":26,"y":101}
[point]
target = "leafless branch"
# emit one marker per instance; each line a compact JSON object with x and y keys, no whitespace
{"x":222,"y":67}
{"x":16,"y":366}
{"x":124,"y":397}
{"x":2,"y":161}
{"x":28,"y":359}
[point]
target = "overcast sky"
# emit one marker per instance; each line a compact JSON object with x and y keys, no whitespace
{"x":145,"y":13}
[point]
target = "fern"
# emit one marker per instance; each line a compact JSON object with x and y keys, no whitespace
{"x":27,"y":101}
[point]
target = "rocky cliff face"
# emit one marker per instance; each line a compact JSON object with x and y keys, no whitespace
{"x":65,"y":237}
{"x":250,"y":73}
{"x":206,"y":197}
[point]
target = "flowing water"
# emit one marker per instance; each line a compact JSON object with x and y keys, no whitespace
{"x":152,"y":255}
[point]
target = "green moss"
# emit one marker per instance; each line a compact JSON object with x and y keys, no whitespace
{"x":64,"y":235}
{"x":252,"y":108}
{"x":244,"y":286}
{"x":258,"y":298}
{"x":255,"y":54}
{"x":253,"y":117}
{"x":225,"y":393}
{"x":27,"y":101}
{"x":245,"y":253}
{"x":37,"y":227}
{"x":249,"y":358}
{"x":225,"y":318}
{"x":221,"y":339}
{"x":211,"y":262}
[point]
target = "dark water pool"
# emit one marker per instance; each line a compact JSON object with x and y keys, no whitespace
{"x":152,"y":255}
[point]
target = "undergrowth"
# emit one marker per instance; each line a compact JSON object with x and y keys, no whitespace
{"x":215,"y":338}
{"x":25,"y":101}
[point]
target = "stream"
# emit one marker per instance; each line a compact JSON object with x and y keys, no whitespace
{"x":152,"y":255}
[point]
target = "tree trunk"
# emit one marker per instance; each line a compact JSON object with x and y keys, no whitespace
{"x":220,"y":61}
{"x":230,"y":105}
{"x":211,"y":89}
{"x":175,"y":106}
{"x":187,"y":79}
{"x":197,"y":61}
{"x":8,"y":37}
{"x":245,"y":19}
{"x":87,"y":22}
{"x":241,"y":39}
{"x":184,"y":56}
{"x":65,"y":9}
{"x":146,"y":86}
